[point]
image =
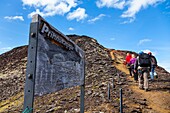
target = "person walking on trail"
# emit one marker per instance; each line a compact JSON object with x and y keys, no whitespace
{"x":132,"y":62}
{"x":143,"y":66}
{"x":154,"y":65}
{"x":128,"y":57}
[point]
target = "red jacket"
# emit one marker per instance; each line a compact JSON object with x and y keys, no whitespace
{"x":128,"y":58}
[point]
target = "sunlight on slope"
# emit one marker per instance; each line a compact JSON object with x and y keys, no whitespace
{"x":157,"y":100}
{"x":13,"y":101}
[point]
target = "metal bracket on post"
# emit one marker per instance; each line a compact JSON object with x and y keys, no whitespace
{"x":31,"y":69}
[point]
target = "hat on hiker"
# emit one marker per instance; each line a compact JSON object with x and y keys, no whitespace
{"x":149,"y":53}
{"x":140,"y":52}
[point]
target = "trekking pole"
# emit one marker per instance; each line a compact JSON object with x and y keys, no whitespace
{"x":121,"y":101}
{"x":108,"y":91}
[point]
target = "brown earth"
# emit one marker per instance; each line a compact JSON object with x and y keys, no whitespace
{"x":102,"y":68}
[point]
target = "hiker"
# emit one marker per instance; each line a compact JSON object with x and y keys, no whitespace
{"x":128,"y":57}
{"x":154,"y":65}
{"x":132,"y":62}
{"x":143,"y":66}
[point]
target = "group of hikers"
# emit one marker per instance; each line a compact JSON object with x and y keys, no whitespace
{"x":140,"y":67}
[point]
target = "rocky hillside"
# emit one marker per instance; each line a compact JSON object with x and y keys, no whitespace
{"x":102,"y":68}
{"x":13,"y":67}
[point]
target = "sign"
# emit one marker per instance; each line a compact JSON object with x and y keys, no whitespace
{"x":54,"y":62}
{"x":60,"y":62}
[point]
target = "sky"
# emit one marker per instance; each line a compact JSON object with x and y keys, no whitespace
{"x":133,"y":25}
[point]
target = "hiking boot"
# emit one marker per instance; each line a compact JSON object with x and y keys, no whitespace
{"x":156,"y":76}
{"x":141,"y":88}
{"x":151,"y":80}
{"x":146,"y":90}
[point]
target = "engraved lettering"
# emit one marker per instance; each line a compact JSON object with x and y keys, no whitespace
{"x":51,"y":34}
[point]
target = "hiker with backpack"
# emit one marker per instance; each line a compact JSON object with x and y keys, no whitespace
{"x":154,"y":65}
{"x":132,"y":62}
{"x":128,"y":57}
{"x":143,"y":67}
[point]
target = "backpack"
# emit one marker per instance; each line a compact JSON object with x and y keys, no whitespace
{"x":153,"y":61}
{"x":144,"y":60}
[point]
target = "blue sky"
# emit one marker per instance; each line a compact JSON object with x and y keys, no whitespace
{"x":119,"y":24}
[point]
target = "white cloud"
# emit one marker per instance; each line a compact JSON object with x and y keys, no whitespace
{"x":14,"y":18}
{"x":112,"y":39}
{"x":36,"y":12}
{"x":50,"y":7}
{"x":147,"y":51}
{"x":165,"y":65}
{"x":143,"y":41}
{"x":134,"y":6}
{"x":71,"y":29}
{"x":119,"y":4}
{"x":78,"y":14}
{"x":5,"y":49}
{"x":96,"y":18}
{"x":128,"y":21}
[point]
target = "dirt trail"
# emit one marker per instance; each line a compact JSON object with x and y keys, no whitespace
{"x":157,"y":100}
